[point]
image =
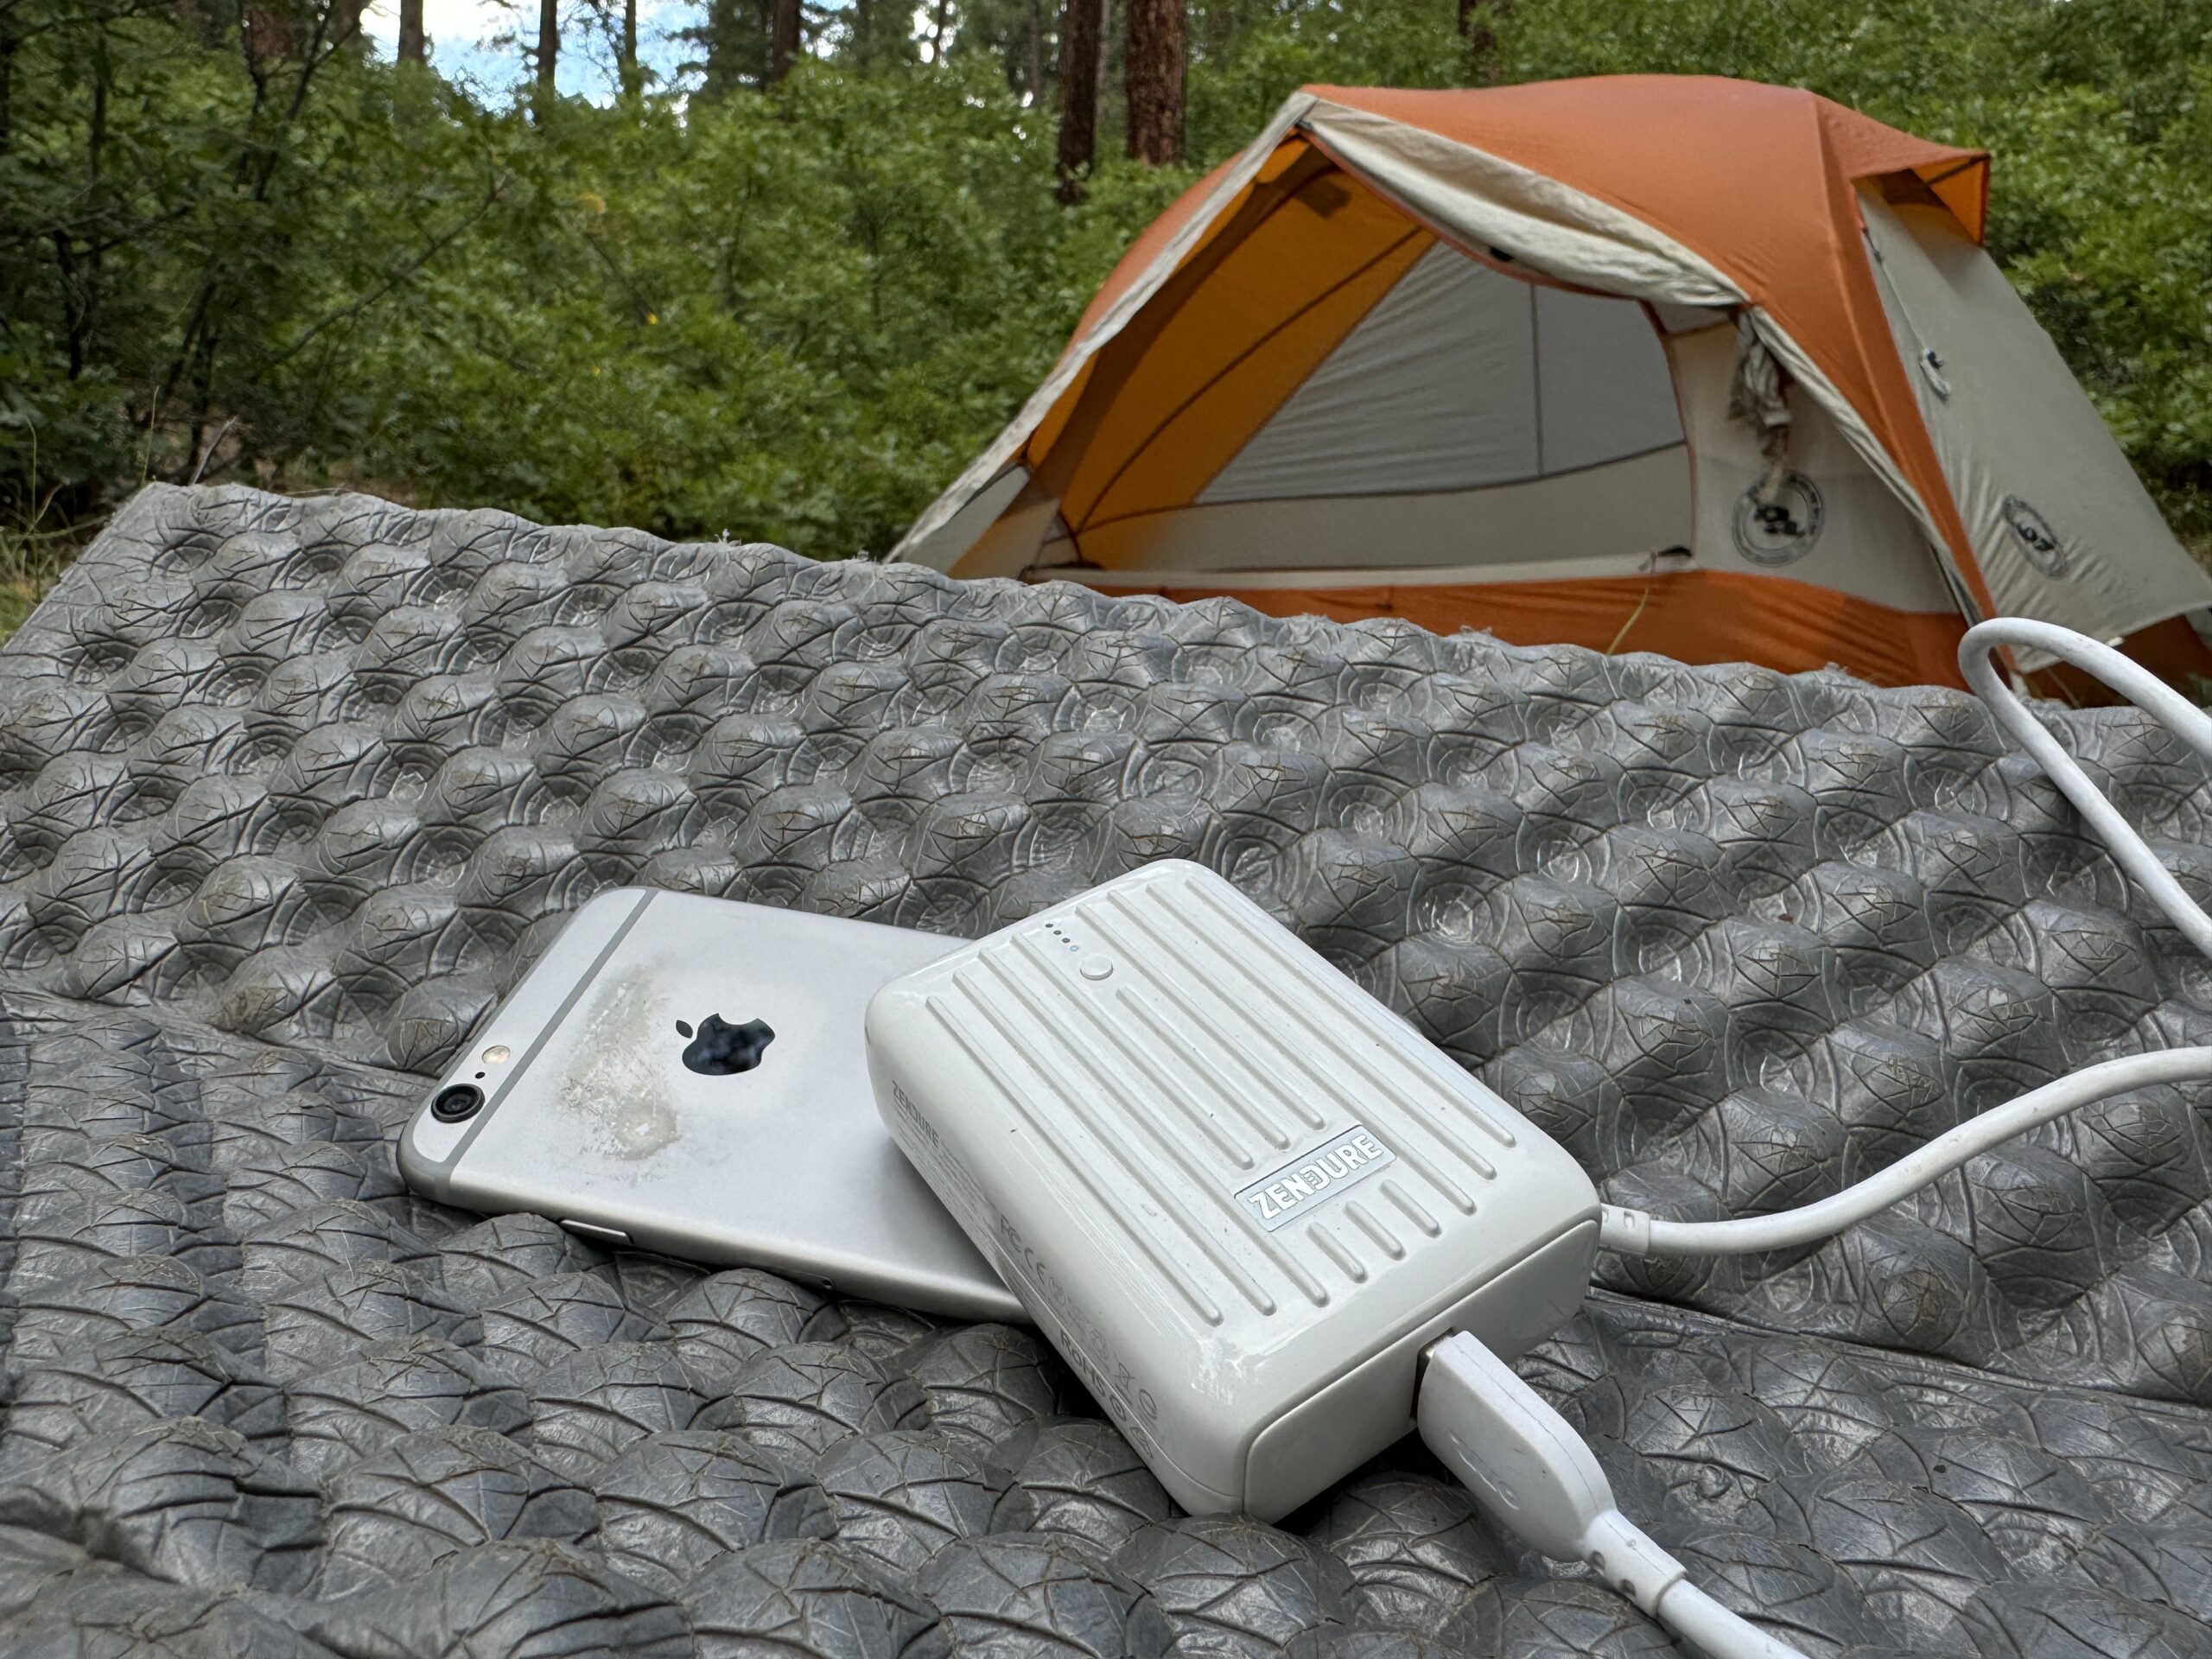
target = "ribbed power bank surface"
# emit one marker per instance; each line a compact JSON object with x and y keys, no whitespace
{"x":1238,"y":1194}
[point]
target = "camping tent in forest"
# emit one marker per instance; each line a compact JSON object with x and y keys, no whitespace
{"x":1677,"y":363}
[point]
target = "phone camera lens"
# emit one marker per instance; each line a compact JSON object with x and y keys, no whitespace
{"x":457,"y":1103}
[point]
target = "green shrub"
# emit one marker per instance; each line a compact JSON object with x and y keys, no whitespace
{"x":795,"y":315}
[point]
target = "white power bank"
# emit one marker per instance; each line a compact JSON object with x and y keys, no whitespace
{"x":1238,"y":1194}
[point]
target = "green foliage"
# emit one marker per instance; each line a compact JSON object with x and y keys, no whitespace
{"x":1248,"y":55}
{"x":789,"y":318}
{"x":795,"y":314}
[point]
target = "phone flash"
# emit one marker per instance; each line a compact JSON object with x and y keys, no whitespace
{"x":497,"y":1054}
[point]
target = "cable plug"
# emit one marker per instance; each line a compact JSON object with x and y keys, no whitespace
{"x":1534,"y":1475}
{"x":1528,"y":1467}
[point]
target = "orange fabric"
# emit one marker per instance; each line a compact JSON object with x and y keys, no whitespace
{"x":1694,"y":616}
{"x":1759,"y":180}
{"x":1305,"y":257}
{"x":1155,"y":236}
{"x":1048,"y":431}
{"x":1068,"y":434}
{"x":1146,"y":248}
{"x":1201,"y":410}
{"x":1710,"y":616}
{"x":1864,"y":147}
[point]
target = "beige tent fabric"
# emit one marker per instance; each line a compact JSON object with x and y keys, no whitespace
{"x":1464,"y":377}
{"x":2063,"y":529}
{"x":1604,"y":390}
{"x":1601,"y":521}
{"x":1483,"y":201}
{"x":1434,"y":390}
{"x":1868,"y":545}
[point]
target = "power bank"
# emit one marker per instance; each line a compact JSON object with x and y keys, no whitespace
{"x":1238,"y":1194}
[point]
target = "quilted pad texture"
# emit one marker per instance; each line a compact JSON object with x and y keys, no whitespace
{"x":290,"y":791}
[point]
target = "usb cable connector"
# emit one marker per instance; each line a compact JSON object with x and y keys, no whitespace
{"x":1535,"y":1475}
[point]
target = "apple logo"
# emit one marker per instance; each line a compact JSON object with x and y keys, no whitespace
{"x":721,"y":1049}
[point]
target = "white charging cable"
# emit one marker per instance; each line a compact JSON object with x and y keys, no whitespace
{"x":1532,"y":1472}
{"x":2140,"y":687}
{"x":1633,"y":1232}
{"x":1525,"y":1463}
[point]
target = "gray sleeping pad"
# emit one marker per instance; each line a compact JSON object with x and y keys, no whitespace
{"x":291,"y":790}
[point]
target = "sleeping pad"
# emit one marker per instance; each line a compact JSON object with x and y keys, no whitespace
{"x":290,"y":791}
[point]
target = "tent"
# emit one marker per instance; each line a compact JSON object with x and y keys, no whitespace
{"x":1680,"y":364}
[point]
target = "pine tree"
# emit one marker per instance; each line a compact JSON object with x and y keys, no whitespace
{"x":783,"y":39}
{"x":1083,"y":33}
{"x":1153,"y":70}
{"x":548,"y":45}
{"x":414,"y":45}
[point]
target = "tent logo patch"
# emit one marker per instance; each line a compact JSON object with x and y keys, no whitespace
{"x":1778,"y":525}
{"x":2036,"y":539}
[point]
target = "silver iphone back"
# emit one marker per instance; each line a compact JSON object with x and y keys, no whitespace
{"x":688,"y":1075}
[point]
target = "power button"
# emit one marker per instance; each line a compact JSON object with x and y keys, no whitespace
{"x":1094,"y":967}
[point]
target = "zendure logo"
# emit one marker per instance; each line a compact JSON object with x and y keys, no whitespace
{"x":1274,"y":1199}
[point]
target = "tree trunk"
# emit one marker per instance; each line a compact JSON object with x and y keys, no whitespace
{"x":1036,"y":53}
{"x":940,"y":21}
{"x":783,"y":40}
{"x":548,"y":45}
{"x":80,"y":284}
{"x":414,"y":45}
{"x":1083,"y":33}
{"x":1481,"y":40}
{"x":1154,"y":67}
{"x":270,"y":32}
{"x":9,"y":47}
{"x":633,"y":79}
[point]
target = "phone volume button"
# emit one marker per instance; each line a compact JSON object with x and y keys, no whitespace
{"x":597,"y":1235}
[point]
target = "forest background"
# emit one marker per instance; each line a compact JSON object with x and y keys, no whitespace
{"x":775,"y":270}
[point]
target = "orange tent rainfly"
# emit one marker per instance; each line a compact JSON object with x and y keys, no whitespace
{"x":1656,"y":362}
